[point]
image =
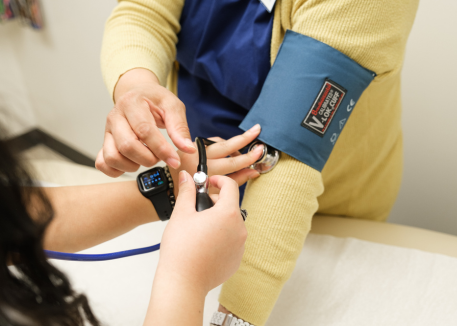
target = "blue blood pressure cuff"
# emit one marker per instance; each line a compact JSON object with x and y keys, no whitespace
{"x":307,"y":99}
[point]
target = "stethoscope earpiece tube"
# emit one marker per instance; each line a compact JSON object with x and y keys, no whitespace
{"x":202,"y":162}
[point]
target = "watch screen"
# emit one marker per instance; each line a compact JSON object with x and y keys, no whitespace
{"x":151,"y":180}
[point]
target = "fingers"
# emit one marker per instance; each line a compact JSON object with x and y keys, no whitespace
{"x":229,"y":194}
{"x":240,"y":177}
{"x":114,"y":159}
{"x":187,"y":194}
{"x":101,"y":165}
{"x":234,"y":154}
{"x":213,"y":190}
{"x":143,"y":125}
{"x":229,"y":165}
{"x":214,"y":197}
{"x":177,"y":128}
{"x":218,"y":140}
{"x":127,"y":143}
{"x":243,"y":176}
{"x":225,"y":148}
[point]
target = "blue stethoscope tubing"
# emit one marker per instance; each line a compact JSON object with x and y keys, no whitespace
{"x":100,"y":257}
{"x":133,"y":252}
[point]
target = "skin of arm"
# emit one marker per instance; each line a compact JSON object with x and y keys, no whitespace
{"x":175,"y":301}
{"x":199,"y":251}
{"x":70,"y":232}
{"x":142,"y":106}
{"x":136,"y":60}
{"x":89,"y":215}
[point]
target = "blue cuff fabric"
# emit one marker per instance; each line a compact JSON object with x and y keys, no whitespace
{"x":307,"y":98}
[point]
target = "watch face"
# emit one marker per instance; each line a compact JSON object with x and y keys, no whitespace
{"x":152,"y":180}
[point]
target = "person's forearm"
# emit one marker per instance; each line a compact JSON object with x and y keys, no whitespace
{"x":174,"y":301}
{"x":85,"y":216}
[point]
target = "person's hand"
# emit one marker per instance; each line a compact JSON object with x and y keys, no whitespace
{"x":199,"y":251}
{"x":203,"y":249}
{"x":142,"y":107}
{"x":224,"y":159}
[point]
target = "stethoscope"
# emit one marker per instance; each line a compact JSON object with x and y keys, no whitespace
{"x":264,"y":164}
{"x":267,"y":161}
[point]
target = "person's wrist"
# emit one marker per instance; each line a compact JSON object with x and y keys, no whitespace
{"x":171,"y":289}
{"x":135,"y":78}
{"x":178,"y":279}
{"x":224,"y":310}
{"x":134,"y":196}
{"x":175,"y":176}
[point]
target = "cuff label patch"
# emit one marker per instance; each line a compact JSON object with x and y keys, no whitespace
{"x":325,"y":105}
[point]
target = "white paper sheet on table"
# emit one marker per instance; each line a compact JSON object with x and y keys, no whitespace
{"x":336,"y":282}
{"x":353,"y":282}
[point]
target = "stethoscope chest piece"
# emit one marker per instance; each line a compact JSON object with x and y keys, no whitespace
{"x":268,"y":160}
{"x":201,"y":182}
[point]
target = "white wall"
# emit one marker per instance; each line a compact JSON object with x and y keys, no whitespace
{"x":61,"y":69}
{"x":57,"y":70}
{"x":16,"y":110}
{"x":428,"y":197}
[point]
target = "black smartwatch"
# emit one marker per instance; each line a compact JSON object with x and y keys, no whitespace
{"x":154,"y":185}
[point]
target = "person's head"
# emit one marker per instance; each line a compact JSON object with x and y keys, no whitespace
{"x":32,"y":292}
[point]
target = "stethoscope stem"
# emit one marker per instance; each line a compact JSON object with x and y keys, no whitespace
{"x":203,"y":200}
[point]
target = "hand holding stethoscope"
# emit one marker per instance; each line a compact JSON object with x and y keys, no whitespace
{"x":216,"y":159}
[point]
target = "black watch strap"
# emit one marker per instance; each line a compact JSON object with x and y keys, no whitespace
{"x":162,"y":205}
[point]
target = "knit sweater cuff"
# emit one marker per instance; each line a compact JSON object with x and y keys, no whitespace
{"x":281,"y":204}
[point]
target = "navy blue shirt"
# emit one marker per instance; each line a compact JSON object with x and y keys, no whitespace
{"x":224,"y":56}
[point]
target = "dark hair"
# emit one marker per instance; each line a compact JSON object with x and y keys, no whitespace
{"x":33,"y":292}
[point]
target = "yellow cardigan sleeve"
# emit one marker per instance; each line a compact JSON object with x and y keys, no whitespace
{"x":281,"y":203}
{"x":140,"y":34}
{"x":372,"y":33}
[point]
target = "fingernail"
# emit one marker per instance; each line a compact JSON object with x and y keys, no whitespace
{"x":174,"y":163}
{"x":182,"y":177}
{"x":190,"y":144}
{"x":255,"y":129}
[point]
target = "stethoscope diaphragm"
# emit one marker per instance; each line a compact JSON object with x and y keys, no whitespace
{"x":268,"y":160}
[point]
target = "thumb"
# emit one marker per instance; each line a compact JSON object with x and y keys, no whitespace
{"x":187,"y":192}
{"x":178,"y":130}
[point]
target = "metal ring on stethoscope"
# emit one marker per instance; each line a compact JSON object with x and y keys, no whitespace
{"x":268,"y":160}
